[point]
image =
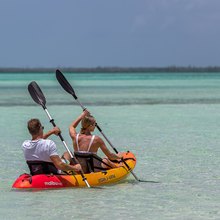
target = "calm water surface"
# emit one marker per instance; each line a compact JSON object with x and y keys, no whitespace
{"x":170,"y":121}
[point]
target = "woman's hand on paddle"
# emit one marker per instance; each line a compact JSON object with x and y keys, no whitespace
{"x":85,"y":113}
{"x":120,"y":155}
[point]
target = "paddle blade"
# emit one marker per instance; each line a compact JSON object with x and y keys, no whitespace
{"x":36,"y":94}
{"x":64,"y":83}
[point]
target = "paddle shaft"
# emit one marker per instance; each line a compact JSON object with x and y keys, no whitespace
{"x":65,"y":145}
{"x":61,"y":137}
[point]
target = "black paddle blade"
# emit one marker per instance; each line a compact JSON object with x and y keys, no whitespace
{"x":64,"y":83}
{"x":36,"y":94}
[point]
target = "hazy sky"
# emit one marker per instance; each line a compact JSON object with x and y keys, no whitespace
{"x":90,"y":33}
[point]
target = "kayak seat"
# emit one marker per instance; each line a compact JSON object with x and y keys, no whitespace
{"x":41,"y":167}
{"x":90,"y":162}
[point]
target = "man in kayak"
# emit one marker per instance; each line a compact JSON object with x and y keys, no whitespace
{"x":41,"y":154}
{"x":84,"y":143}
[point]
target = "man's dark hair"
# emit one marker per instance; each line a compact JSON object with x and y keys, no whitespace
{"x":34,"y":126}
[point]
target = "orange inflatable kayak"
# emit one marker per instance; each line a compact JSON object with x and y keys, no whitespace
{"x":45,"y":181}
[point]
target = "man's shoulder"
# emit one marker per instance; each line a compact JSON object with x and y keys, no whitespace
{"x":47,"y":142}
{"x":26,"y":141}
{"x":43,"y":140}
{"x":43,"y":143}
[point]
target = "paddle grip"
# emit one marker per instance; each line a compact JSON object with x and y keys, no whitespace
{"x":53,"y":123}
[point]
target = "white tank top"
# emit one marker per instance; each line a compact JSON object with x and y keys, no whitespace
{"x":90,"y":144}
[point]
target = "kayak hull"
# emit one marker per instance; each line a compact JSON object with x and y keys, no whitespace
{"x":45,"y":181}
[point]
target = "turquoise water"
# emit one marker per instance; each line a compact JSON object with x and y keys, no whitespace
{"x":171,"y":121}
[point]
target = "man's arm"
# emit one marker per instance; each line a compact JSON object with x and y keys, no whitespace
{"x":59,"y":164}
{"x":55,"y":131}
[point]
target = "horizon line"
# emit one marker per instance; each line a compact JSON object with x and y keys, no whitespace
{"x":112,"y":69}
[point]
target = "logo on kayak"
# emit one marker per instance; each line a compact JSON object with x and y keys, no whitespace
{"x":104,"y":179}
{"x":52,"y":183}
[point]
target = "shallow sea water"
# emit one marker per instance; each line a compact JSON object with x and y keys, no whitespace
{"x":171,"y":123}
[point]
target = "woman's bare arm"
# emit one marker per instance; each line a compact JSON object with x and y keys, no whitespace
{"x":74,"y":124}
{"x":106,"y":151}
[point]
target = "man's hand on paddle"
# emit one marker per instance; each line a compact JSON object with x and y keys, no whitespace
{"x":77,"y":168}
{"x":56,"y":131}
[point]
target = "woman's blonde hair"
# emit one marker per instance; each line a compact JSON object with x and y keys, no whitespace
{"x":86,"y":122}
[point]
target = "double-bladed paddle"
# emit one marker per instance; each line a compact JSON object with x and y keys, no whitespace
{"x":38,"y":96}
{"x":68,"y":88}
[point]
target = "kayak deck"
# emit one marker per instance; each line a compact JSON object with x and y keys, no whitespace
{"x":26,"y":181}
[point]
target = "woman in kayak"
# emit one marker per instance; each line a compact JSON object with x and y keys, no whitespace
{"x":85,"y":144}
{"x":41,"y":154}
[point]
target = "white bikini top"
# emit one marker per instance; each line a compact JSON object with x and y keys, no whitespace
{"x":90,"y":144}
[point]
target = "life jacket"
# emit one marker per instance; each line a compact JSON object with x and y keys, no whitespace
{"x":41,"y":167}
